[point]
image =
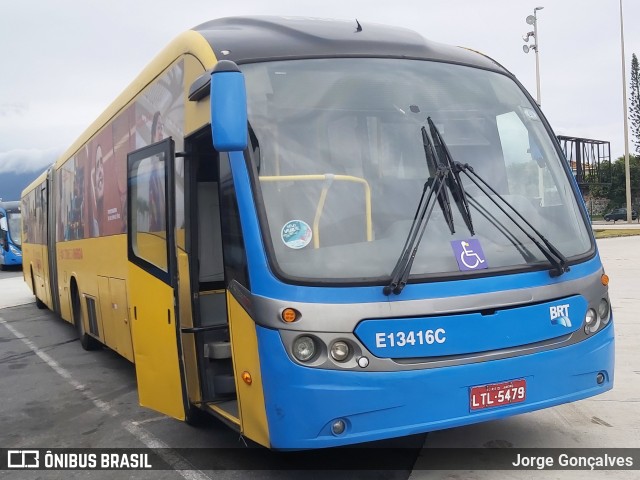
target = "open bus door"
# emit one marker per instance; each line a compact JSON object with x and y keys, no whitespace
{"x":152,"y":278}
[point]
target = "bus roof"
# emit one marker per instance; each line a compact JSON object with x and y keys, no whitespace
{"x":41,"y":178}
{"x":260,"y":38}
{"x":10,"y":205}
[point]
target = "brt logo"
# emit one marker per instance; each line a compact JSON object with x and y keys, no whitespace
{"x":559,"y":315}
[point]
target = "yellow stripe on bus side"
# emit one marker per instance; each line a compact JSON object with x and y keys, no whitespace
{"x":244,"y":345}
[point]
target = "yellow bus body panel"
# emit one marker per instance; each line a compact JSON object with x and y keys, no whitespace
{"x":36,"y":260}
{"x":113,"y":319}
{"x":96,"y":264}
{"x":155,"y":344}
{"x":244,"y":346}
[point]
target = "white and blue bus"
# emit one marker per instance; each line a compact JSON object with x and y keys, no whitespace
{"x":10,"y":235}
{"x":326,"y":233}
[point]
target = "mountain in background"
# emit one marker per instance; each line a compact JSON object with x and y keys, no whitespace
{"x":12,"y":184}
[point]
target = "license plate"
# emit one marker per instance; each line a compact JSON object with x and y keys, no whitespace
{"x":498,"y":394}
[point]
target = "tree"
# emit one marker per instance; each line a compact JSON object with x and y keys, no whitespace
{"x":634,"y":109}
{"x":615,"y":192}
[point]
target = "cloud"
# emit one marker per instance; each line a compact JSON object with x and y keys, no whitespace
{"x":28,"y":160}
{"x":12,"y":108}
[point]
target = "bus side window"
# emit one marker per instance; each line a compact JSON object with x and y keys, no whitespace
{"x":149,"y":241}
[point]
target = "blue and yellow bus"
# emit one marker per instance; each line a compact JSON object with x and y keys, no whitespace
{"x":10,"y":235}
{"x":325,"y":233}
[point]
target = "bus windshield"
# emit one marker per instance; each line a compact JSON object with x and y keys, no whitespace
{"x":15,"y":228}
{"x":341,"y":166}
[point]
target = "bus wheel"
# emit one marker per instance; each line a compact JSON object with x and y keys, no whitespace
{"x":86,"y":340}
{"x":39,"y":303}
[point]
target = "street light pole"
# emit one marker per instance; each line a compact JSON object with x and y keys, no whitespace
{"x":627,"y":168}
{"x":533,"y":20}
{"x":535,"y":33}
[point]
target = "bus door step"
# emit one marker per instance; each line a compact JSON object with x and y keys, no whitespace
{"x":217,"y":350}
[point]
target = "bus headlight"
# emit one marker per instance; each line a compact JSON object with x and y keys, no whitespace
{"x":340,"y":351}
{"x":604,"y":311}
{"x":591,"y":321}
{"x":304,"y":348}
{"x":14,"y":250}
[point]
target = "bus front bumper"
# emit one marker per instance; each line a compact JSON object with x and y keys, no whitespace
{"x":11,"y":259}
{"x":302,"y":403}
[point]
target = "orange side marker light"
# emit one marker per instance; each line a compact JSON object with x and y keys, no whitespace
{"x":289,"y":315}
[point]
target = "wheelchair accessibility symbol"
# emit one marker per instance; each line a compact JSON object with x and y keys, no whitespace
{"x":469,"y":254}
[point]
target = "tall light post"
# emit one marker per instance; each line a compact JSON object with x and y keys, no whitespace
{"x":533,"y":20}
{"x":627,"y":169}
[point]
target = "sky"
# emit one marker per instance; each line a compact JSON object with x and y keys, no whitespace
{"x":64,"y":61}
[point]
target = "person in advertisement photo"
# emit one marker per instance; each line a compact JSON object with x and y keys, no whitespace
{"x":74,"y":228}
{"x":107,"y":215}
{"x":97,"y":191}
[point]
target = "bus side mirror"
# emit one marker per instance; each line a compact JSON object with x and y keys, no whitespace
{"x":228,"y":108}
{"x":3,"y":224}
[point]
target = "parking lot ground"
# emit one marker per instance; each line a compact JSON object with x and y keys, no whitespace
{"x":14,"y":290}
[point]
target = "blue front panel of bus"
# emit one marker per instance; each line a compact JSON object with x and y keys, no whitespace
{"x":472,"y":332}
{"x":10,"y":258}
{"x":303,"y":402}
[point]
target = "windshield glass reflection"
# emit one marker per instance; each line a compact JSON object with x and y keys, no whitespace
{"x":341,"y":166}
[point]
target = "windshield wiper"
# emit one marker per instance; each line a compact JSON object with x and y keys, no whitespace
{"x":502,"y":228}
{"x":439,"y":163}
{"x":438,"y":173}
{"x":555,"y":257}
{"x":453,"y":180}
{"x":444,"y":170}
{"x":433,"y":164}
{"x":402,"y":269}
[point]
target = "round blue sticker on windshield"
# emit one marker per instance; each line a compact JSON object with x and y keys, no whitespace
{"x":296,"y":234}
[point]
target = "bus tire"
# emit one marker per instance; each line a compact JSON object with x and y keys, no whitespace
{"x":86,"y":341}
{"x":39,"y":303}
